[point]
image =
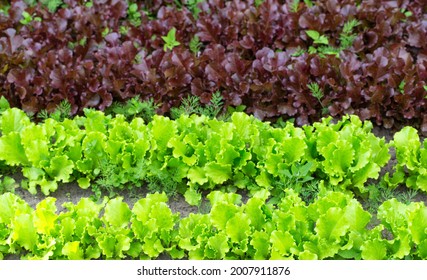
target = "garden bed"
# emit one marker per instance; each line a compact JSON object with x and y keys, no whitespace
{"x":213,"y":129}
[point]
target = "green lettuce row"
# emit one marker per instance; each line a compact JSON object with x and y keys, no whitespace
{"x":332,"y":227}
{"x":191,"y":153}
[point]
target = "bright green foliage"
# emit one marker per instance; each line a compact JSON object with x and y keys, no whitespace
{"x":374,"y":250}
{"x":52,"y":5}
{"x":347,"y":37}
{"x":294,"y":6}
{"x":13,"y":120}
{"x":153,"y":225}
{"x":134,"y":15}
{"x":334,"y":226}
{"x":316,"y":91}
{"x":351,"y":153}
{"x":105,"y":32}
{"x":170,"y":40}
{"x":73,"y":250}
{"x":117,"y":213}
{"x":192,"y":105}
{"x":27,"y":18}
{"x":323,"y":46}
{"x":317,"y":38}
{"x":113,"y":239}
{"x":135,"y":108}
{"x":11,"y":149}
{"x":45,"y":216}
{"x":411,"y":157}
{"x":17,"y":226}
{"x":192,"y":5}
{"x":309,"y":3}
{"x":339,"y":220}
{"x":406,"y":224}
{"x":402,"y":87}
{"x":258,"y":2}
{"x":62,"y":112}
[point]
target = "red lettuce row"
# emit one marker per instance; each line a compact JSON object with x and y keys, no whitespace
{"x":92,"y":55}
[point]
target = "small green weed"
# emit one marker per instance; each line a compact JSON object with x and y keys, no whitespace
{"x":402,"y":87}
{"x":63,"y":111}
{"x":134,"y":15}
{"x":258,"y":2}
{"x":135,"y":108}
{"x":298,"y":52}
{"x":27,"y":18}
{"x":52,"y":5}
{"x":378,"y":193}
{"x":192,"y":105}
{"x":105,"y":32}
{"x":297,"y":178}
{"x":322,"y":46}
{"x":162,"y":183}
{"x":295,"y":6}
{"x":170,"y":40}
{"x":347,"y":37}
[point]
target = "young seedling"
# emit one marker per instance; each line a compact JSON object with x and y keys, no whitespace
{"x":105,"y":32}
{"x":195,"y":45}
{"x":406,"y":13}
{"x":298,"y":52}
{"x":62,"y":111}
{"x":192,"y":5}
{"x":316,"y":91}
{"x":347,"y":37}
{"x":134,"y":15}
{"x":124,"y":30}
{"x":170,"y":40}
{"x":402,"y":87}
{"x":317,"y":38}
{"x":52,"y":5}
{"x":309,"y":3}
{"x":258,"y":2}
{"x":27,"y":18}
{"x":295,"y":6}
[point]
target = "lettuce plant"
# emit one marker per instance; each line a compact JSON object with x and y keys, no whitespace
{"x":411,"y":155}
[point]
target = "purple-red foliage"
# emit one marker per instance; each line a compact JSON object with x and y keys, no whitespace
{"x":246,"y":53}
